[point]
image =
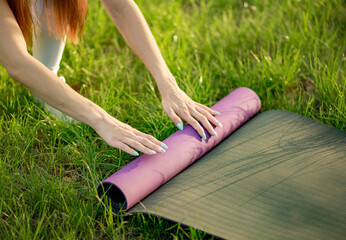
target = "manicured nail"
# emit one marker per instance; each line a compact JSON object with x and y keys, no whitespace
{"x":152,"y":152}
{"x":204,"y":136}
{"x":135,"y":153}
{"x":219,"y":124}
{"x":215,"y":134}
{"x":161,"y":150}
{"x":216,"y":112}
{"x":164,"y":145}
{"x":180,"y":126}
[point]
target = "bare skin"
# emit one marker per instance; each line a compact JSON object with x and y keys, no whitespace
{"x":48,"y":87}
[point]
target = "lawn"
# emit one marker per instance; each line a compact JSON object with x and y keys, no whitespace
{"x":291,"y":52}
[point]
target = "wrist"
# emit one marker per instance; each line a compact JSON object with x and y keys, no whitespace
{"x":97,"y":118}
{"x":166,"y":83}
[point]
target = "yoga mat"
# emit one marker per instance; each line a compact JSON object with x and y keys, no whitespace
{"x":148,"y":172}
{"x":279,"y":176}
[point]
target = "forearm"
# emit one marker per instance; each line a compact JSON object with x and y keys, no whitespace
{"x":40,"y":80}
{"x":135,"y":30}
{"x":49,"y":88}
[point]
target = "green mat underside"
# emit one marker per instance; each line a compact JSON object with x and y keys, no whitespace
{"x":280,"y":176}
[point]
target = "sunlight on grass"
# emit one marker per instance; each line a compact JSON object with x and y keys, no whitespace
{"x":292,"y":53}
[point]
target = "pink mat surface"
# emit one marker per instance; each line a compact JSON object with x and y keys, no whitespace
{"x":145,"y":174}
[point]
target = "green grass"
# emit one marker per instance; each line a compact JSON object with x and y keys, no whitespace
{"x":291,"y":52}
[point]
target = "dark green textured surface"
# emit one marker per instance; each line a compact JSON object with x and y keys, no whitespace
{"x":280,"y":176}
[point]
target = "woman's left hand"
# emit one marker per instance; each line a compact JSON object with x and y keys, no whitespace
{"x":179,"y":106}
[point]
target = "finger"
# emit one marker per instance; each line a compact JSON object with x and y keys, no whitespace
{"x":209,"y":110}
{"x":150,"y":142}
{"x":125,"y":148}
{"x":174,"y":117}
{"x":209,"y":117}
{"x":138,"y":146}
{"x":154,"y":140}
{"x":204,"y":121}
{"x":149,"y":137}
{"x":195,"y":124}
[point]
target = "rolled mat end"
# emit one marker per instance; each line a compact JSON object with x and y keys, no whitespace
{"x":114,"y":195}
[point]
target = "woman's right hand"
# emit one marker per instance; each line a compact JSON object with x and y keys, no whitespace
{"x":120,"y":135}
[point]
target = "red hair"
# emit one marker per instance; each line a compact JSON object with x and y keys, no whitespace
{"x":68,"y":16}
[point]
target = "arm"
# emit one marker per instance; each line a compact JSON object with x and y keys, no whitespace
{"x":48,"y":87}
{"x":133,"y":27}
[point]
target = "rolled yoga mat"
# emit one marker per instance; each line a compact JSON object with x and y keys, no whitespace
{"x":279,"y":176}
{"x":148,"y":172}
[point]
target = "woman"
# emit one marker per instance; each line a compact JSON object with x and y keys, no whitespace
{"x":53,"y":20}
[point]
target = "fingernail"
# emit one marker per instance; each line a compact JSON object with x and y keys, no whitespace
{"x":219,"y":124}
{"x":161,"y":150}
{"x":205,"y":137}
{"x":151,"y":152}
{"x":216,"y":112}
{"x":180,"y":126}
{"x":215,"y":134}
{"x":164,"y":145}
{"x":135,"y":153}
